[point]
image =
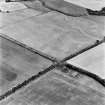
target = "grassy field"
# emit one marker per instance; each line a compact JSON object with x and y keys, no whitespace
{"x":55,"y":34}
{"x":56,"y":89}
{"x":16,"y":16}
{"x":18,"y":64}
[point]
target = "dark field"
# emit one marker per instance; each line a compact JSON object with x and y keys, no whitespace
{"x":55,"y":88}
{"x":18,"y":64}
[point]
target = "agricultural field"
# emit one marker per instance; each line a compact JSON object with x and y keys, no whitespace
{"x":91,"y":4}
{"x":55,"y":30}
{"x":17,"y":64}
{"x":56,"y":88}
{"x":51,"y":53}
{"x":92,"y":60}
